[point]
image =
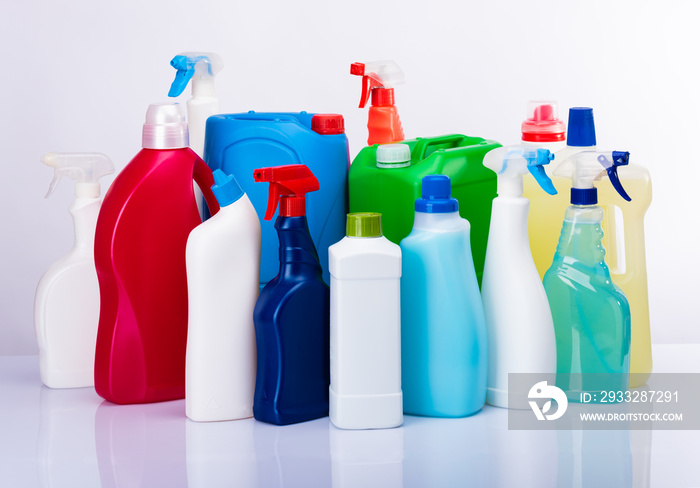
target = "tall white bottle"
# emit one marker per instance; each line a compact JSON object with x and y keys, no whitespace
{"x":518,"y":318}
{"x":201,"y":68}
{"x":223,"y":263}
{"x":67,"y":301}
{"x":365,"y":268}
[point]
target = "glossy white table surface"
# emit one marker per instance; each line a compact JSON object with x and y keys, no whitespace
{"x":72,"y":438}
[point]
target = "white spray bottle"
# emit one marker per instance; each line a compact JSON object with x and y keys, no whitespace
{"x":67,"y":301}
{"x":518,"y":318}
{"x":201,"y":68}
{"x":223,"y":256}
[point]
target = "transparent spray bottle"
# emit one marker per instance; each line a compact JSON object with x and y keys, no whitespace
{"x":591,"y":314}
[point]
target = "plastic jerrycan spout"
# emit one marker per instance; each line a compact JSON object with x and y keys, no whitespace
{"x":378,"y":80}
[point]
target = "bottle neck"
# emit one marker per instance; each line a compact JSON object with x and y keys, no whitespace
{"x":84,"y":211}
{"x":297,"y":252}
{"x":511,"y":186}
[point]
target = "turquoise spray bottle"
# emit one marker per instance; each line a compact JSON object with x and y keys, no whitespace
{"x":591,"y":314}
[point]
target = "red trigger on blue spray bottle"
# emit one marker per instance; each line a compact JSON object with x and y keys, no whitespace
{"x":292,"y":314}
{"x":288,"y":187}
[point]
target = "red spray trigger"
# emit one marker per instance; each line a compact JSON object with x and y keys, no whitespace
{"x":368,"y":82}
{"x":288,"y":187}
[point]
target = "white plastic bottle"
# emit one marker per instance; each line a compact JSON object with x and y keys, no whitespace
{"x":67,"y":301}
{"x":223,"y":256}
{"x":518,"y":318}
{"x":365,"y":268}
{"x":201,"y":68}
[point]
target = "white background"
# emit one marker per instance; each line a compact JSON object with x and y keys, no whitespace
{"x":79,"y":75}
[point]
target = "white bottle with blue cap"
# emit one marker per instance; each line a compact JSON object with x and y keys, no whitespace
{"x":223,"y":265}
{"x":518,"y":319}
{"x":443,"y":329}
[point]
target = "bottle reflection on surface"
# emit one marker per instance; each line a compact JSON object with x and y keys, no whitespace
{"x":66,"y":444}
{"x":366,"y":458}
{"x":221,"y":454}
{"x":293,"y":455}
{"x":141,"y":445}
{"x":522,"y":458}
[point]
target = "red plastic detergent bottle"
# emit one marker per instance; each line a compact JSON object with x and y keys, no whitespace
{"x":292,"y":314}
{"x":379,"y":78}
{"x":140,"y":241}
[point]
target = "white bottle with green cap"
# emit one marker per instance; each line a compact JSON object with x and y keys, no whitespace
{"x":223,"y":256}
{"x":365,"y":268}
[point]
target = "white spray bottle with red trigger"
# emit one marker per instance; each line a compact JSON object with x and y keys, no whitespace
{"x":67,"y":301}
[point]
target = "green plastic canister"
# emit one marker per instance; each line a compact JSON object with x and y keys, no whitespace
{"x":393,"y":187}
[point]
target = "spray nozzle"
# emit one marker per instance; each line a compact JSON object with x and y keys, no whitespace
{"x":586,"y":167}
{"x":85,"y":168}
{"x":288,"y":187}
{"x":377,"y":74}
{"x":201,"y":68}
{"x":512,"y":162}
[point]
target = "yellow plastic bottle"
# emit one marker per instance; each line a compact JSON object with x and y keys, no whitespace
{"x":623,"y":223}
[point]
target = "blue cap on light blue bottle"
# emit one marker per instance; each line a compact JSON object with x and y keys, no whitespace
{"x":436,"y":195}
{"x":225,"y":188}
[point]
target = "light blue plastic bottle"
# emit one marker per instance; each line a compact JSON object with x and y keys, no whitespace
{"x":443,"y":329}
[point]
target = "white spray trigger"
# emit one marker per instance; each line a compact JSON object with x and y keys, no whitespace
{"x":85,"y":168}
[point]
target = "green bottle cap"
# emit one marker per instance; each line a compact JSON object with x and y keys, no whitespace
{"x":364,"y":224}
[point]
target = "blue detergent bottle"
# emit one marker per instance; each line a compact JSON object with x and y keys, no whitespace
{"x":240,"y":143}
{"x":443,"y":328}
{"x":292,"y":314}
{"x":591,"y":314}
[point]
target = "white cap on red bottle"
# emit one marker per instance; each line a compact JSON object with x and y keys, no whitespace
{"x":165,"y":127}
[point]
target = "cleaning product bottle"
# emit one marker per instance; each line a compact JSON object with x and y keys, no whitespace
{"x":140,"y":240}
{"x":623,"y":223}
{"x":222,"y":282}
{"x":383,"y":183}
{"x":591,"y":315}
{"x":201,"y":68}
{"x":67,"y":301}
{"x":543,"y":129}
{"x":365,"y":391}
{"x":292,"y":312}
{"x":443,"y":329}
{"x":239,"y":143}
{"x":379,"y":79}
{"x":518,"y":319}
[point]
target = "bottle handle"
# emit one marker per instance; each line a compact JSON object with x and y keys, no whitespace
{"x":204,"y":178}
{"x":443,"y":142}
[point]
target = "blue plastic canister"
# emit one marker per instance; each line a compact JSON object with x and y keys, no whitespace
{"x":239,"y":143}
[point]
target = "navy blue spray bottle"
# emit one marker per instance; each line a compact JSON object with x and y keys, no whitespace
{"x":292,"y":314}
